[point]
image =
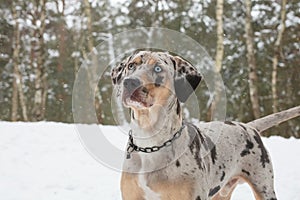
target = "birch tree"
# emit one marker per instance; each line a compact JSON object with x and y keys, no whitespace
{"x":276,"y":56}
{"x":17,"y":78}
{"x":251,"y":61}
{"x":219,"y":55}
{"x":38,"y":15}
{"x":220,"y":37}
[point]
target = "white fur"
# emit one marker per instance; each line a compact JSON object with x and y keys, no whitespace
{"x":149,"y":194}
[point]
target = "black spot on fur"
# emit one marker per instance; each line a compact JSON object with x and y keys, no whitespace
{"x":222,"y":166}
{"x":213,"y":154}
{"x":198,"y":198}
{"x":209,"y":145}
{"x":229,"y":123}
{"x":213,"y":191}
{"x":174,"y":63}
{"x":246,"y":172}
{"x":205,"y":141}
{"x":118,"y":78}
{"x":158,"y":81}
{"x":264,"y":158}
{"x":195,"y":145}
{"x":131,"y":56}
{"x":178,"y":109}
{"x":114,"y":81}
{"x":249,"y":144}
{"x":177,"y":163}
{"x":243,"y":127}
{"x":223,"y":176}
{"x":246,"y":151}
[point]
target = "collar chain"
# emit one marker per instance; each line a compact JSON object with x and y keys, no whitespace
{"x":132,"y":147}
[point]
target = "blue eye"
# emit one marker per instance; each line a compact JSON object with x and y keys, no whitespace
{"x":157,"y":69}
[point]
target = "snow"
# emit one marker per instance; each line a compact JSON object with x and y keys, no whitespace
{"x":46,"y":160}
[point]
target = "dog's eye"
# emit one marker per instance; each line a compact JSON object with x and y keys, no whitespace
{"x":157,"y":69}
{"x":131,"y":66}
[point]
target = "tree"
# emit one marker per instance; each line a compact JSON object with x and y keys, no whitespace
{"x":90,"y":46}
{"x":17,"y":78}
{"x":251,"y":61}
{"x":220,"y":33}
{"x":277,"y":49}
{"x":219,"y":54}
{"x":38,"y":16}
{"x":15,"y":60}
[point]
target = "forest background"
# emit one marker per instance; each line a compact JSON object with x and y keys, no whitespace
{"x":255,"y":46}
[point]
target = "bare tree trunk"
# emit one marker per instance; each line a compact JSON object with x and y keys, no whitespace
{"x":61,"y":36}
{"x":60,"y":7}
{"x":22,"y":99}
{"x":15,"y":60}
{"x":87,"y":10}
{"x":90,"y":44}
{"x":276,"y":55}
{"x":80,"y":40}
{"x":220,"y":33}
{"x":17,"y":84}
{"x":218,"y":57}
{"x":251,"y":62}
{"x":40,"y":79}
{"x":14,"y":101}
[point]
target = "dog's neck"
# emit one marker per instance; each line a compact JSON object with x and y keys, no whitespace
{"x":153,"y":126}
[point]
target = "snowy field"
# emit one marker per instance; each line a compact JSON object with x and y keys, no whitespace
{"x":46,"y":161}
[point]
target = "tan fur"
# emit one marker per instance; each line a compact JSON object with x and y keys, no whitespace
{"x":219,"y":197}
{"x":159,"y":97}
{"x":167,"y":190}
{"x":231,"y":188}
{"x":130,"y":187}
{"x":255,"y":192}
{"x":182,"y":190}
{"x":152,"y":61}
{"x":226,"y":191}
{"x":138,"y":60}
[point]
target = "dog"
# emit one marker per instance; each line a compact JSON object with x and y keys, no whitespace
{"x":170,"y":159}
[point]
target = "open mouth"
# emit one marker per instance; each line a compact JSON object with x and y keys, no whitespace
{"x":138,"y":98}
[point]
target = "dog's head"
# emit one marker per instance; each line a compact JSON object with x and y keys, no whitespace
{"x":150,"y":78}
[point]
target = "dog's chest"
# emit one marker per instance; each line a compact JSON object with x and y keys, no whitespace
{"x":155,"y":188}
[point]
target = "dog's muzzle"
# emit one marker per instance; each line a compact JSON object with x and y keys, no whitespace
{"x":134,"y":93}
{"x":131,"y":84}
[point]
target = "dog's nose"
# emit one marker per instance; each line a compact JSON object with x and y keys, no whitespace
{"x":131,"y":84}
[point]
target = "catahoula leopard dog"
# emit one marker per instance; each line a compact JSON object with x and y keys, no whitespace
{"x":169,"y":159}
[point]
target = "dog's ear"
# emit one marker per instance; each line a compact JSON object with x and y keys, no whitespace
{"x":187,"y":78}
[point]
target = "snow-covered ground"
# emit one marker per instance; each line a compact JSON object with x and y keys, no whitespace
{"x":46,"y":161}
